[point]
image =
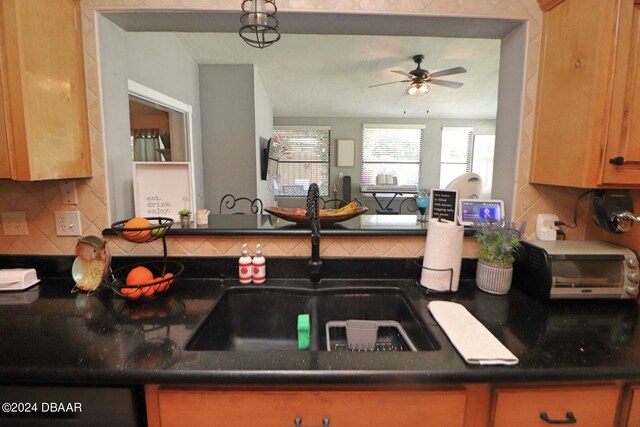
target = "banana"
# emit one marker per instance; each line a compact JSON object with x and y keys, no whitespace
{"x":346,"y":209}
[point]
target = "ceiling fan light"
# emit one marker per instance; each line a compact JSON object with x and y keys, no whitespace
{"x":418,"y":89}
{"x":259,"y":25}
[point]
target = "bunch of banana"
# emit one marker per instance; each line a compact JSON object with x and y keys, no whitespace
{"x":346,"y":209}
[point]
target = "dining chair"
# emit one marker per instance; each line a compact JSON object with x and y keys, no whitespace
{"x":240,"y":205}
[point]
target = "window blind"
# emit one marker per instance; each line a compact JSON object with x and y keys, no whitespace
{"x":302,"y":155}
{"x":455,"y":155}
{"x":391,"y":149}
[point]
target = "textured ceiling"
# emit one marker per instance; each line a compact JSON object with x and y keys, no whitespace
{"x":309,"y":75}
{"x":323,"y":65}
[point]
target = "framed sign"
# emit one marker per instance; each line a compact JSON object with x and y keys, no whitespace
{"x":162,"y":188}
{"x":346,"y":153}
{"x":444,"y":204}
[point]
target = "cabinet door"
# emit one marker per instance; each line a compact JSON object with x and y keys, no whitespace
{"x":574,"y":92}
{"x":624,"y":136}
{"x":310,"y":408}
{"x":634,"y":413}
{"x":578,"y":406}
{"x":42,"y":48}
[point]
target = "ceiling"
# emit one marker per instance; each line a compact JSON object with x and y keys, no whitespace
{"x":320,"y":68}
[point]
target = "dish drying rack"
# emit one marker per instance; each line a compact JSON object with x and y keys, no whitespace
{"x":367,"y":335}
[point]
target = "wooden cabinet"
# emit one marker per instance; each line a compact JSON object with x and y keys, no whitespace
{"x":580,"y":406}
{"x":172,"y":406}
{"x":588,"y":104}
{"x":43,"y":91}
{"x":633,"y":419}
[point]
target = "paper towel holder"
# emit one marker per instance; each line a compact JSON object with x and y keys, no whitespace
{"x":450,"y":270}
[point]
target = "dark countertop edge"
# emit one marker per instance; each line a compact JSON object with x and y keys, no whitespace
{"x":477,"y":375}
{"x":195,"y":232}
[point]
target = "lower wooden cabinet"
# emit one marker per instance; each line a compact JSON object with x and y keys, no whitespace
{"x":578,"y":406}
{"x":210,"y":407}
{"x":608,"y":404}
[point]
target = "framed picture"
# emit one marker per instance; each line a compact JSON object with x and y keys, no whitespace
{"x":345,"y":153}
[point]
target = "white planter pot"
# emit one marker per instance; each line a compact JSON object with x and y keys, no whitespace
{"x":493,"y":279}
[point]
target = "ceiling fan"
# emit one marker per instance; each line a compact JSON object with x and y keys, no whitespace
{"x":420,"y":78}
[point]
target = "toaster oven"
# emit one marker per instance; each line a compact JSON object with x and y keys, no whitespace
{"x":576,"y":269}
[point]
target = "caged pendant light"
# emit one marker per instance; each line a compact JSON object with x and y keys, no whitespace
{"x":259,"y":23}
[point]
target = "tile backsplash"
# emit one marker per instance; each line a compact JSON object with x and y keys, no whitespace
{"x":41,"y":199}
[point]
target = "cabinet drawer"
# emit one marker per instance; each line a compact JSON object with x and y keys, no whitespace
{"x":590,"y":406}
{"x":281,"y":408}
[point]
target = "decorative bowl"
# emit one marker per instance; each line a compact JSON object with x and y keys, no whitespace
{"x":298,"y":215}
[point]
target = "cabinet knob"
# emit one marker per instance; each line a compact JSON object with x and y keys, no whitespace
{"x":570,"y":419}
{"x":618,"y":161}
{"x":298,"y":422}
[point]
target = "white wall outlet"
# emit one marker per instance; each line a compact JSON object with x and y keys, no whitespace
{"x":14,"y":223}
{"x":68,"y":223}
{"x":546,"y":229}
{"x":68,"y":192}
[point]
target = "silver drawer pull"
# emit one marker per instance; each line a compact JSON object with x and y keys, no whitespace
{"x":298,"y":422}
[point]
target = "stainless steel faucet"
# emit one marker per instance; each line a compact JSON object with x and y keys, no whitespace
{"x":313,"y":208}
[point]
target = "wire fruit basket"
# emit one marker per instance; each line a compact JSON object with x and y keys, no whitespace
{"x":163,"y":274}
{"x":142,"y":234}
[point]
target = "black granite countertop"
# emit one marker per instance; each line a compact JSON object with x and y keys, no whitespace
{"x":50,"y":335}
{"x":268,"y":225}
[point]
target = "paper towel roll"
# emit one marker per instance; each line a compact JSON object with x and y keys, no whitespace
{"x":443,"y":251}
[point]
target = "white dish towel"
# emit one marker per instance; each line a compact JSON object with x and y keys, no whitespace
{"x":471,"y":338}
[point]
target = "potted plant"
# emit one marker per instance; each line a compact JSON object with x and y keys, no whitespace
{"x":499,"y":240}
{"x":185,"y":217}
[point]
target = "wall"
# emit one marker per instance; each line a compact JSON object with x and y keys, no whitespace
{"x":152,"y":62}
{"x":351,"y":128}
{"x":263,"y":113}
{"x":228,"y":131}
{"x":40,"y":200}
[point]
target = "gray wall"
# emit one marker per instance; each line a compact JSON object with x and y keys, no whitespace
{"x":264,"y":130}
{"x":228,"y":132}
{"x":115,"y":98}
{"x":160,"y":63}
{"x":351,"y":128}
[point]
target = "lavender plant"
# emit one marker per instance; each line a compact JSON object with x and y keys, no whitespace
{"x":498,"y":241}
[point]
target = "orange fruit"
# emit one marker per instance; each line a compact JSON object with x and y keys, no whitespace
{"x":163,"y":286}
{"x":131,"y":293}
{"x":149,"y":291}
{"x":139,"y":275}
{"x":137,"y":235}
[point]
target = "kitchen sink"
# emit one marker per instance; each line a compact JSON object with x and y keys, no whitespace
{"x":261,"y":319}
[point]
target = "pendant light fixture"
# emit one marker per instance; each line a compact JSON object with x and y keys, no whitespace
{"x":259,"y":23}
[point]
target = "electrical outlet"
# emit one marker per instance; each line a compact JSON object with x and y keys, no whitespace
{"x":546,"y":228}
{"x":68,"y":192}
{"x":68,"y":223}
{"x":15,"y":223}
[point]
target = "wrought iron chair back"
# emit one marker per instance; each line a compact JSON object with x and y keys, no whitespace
{"x":229,"y":203}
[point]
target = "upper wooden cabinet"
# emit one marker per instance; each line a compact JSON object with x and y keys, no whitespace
{"x":587,"y":124}
{"x":43,"y":91}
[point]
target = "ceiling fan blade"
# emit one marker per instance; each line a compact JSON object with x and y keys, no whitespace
{"x":446,"y":83}
{"x":448,"y":72}
{"x":389,"y":83}
{"x":403,"y":73}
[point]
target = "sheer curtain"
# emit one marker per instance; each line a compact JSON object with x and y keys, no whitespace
{"x":146,"y":145}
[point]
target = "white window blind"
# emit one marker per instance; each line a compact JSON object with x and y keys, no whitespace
{"x":455,"y":157}
{"x":302,"y":154}
{"x":391,"y":149}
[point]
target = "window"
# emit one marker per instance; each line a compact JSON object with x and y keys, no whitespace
{"x":391,"y":149}
{"x":302,"y":154}
{"x":455,"y":157}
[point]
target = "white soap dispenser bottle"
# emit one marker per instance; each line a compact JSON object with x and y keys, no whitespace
{"x":259,"y":266}
{"x":244,"y":266}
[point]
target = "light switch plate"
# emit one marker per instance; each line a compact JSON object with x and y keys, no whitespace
{"x":68,"y":193}
{"x":68,"y":223}
{"x":15,"y":223}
